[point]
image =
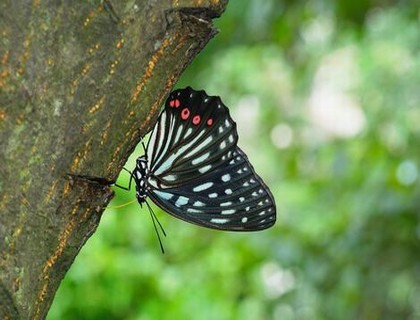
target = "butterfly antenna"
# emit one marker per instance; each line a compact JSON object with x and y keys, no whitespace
{"x":144,"y":148}
{"x":157,"y":220}
{"x":154,"y":220}
{"x":129,"y":183}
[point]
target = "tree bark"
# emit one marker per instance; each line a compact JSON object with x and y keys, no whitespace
{"x":80,"y":83}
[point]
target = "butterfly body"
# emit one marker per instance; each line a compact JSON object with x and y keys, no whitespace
{"x":140,"y":175}
{"x":194,"y":170}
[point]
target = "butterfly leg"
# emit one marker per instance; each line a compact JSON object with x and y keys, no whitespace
{"x":129,"y":183}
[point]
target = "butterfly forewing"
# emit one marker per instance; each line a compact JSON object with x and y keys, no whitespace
{"x":193,"y":136}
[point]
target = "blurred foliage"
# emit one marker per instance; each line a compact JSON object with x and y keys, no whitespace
{"x":326,"y":95}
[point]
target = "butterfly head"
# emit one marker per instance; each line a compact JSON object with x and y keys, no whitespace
{"x":141,"y":174}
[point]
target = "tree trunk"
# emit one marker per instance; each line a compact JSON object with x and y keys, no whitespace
{"x":80,"y":83}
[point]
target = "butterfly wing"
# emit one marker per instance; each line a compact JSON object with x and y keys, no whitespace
{"x":194,"y":135}
{"x":197,"y":172}
{"x":233,"y":197}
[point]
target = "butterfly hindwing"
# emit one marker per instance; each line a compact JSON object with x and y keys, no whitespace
{"x":231,"y":198}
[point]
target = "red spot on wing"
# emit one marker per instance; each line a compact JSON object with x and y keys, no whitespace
{"x":209,"y":121}
{"x":174,"y":103}
{"x":185,"y":113}
{"x":196,"y":119}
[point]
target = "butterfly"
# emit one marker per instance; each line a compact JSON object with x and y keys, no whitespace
{"x":193,"y":169}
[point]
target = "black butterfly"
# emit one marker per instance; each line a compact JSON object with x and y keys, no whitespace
{"x":193,"y":169}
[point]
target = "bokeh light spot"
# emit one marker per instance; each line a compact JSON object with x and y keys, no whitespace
{"x":407,"y":173}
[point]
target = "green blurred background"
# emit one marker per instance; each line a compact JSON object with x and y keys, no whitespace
{"x":326,"y":95}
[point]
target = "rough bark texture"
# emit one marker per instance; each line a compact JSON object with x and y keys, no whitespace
{"x":80,"y":83}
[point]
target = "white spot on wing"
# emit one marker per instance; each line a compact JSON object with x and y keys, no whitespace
{"x":200,"y":158}
{"x":213,"y":195}
{"x":199,"y":204}
{"x":181,"y":201}
{"x":203,"y":186}
{"x":204,"y":169}
{"x":169,"y":177}
{"x":224,"y":204}
{"x":163,"y":195}
{"x":229,"y":211}
{"x":244,"y":219}
{"x":189,"y":130}
{"x":218,"y":220}
{"x":228,"y":191}
{"x":226,"y":177}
